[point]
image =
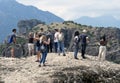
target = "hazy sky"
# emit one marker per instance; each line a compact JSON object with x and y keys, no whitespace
{"x":73,"y":9}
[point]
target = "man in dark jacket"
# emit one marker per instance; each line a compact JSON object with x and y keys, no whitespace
{"x":84,"y":40}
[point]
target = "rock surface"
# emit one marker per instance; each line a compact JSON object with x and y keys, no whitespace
{"x":58,"y":69}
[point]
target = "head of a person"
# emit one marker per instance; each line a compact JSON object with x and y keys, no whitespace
{"x":84,"y":31}
{"x":76,"y":33}
{"x":44,"y":38}
{"x":14,"y":30}
{"x":41,"y":29}
{"x":103,"y":37}
{"x":39,"y":35}
{"x":56,"y":30}
{"x":30,"y":34}
{"x":60,"y":30}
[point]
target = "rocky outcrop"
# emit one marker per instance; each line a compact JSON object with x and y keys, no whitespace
{"x":94,"y":33}
{"x":59,"y":69}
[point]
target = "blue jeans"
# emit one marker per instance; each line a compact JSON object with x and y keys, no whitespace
{"x":56,"y":46}
{"x":61,"y":47}
{"x":44,"y":55}
{"x":83,"y":48}
{"x":76,"y":49}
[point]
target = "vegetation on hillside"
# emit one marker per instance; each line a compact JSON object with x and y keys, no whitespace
{"x":69,"y":27}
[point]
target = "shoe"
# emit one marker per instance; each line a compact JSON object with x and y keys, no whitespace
{"x":84,"y":58}
{"x":76,"y":58}
{"x":44,"y":65}
{"x":59,"y":54}
{"x":39,"y":65}
{"x":37,"y":61}
{"x":64,"y":54}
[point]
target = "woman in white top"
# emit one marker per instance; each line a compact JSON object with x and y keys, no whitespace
{"x":76,"y":44}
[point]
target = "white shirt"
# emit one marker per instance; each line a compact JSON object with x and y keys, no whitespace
{"x":76,"y":37}
{"x":56,"y":37}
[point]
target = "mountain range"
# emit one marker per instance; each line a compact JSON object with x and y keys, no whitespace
{"x":11,"y":12}
{"x":101,"y":21}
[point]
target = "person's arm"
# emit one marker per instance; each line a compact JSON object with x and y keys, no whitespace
{"x":87,"y":38}
{"x":14,"y":39}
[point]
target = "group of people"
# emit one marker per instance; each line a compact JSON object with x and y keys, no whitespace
{"x":44,"y":42}
{"x":81,"y":41}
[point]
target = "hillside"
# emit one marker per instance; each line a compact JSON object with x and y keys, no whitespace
{"x":58,"y":69}
{"x":68,"y":28}
{"x":11,"y":12}
{"x":94,"y":33}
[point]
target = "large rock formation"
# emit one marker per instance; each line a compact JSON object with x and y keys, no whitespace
{"x":94,"y":33}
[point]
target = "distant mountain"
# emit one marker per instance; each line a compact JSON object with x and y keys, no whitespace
{"x":11,"y":12}
{"x":102,"y":21}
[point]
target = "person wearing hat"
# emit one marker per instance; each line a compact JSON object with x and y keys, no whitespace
{"x":83,"y":39}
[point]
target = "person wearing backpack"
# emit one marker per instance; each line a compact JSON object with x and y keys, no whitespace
{"x":61,"y":43}
{"x":84,"y":40}
{"x":12,"y":42}
{"x":102,"y":48}
{"x":76,"y":44}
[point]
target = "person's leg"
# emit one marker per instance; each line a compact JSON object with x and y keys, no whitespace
{"x":45,"y":55}
{"x":83,"y":50}
{"x":32,"y":47}
{"x":55,"y":45}
{"x":29,"y":49}
{"x":62,"y":47}
{"x":38,"y":54}
{"x":100,"y":53}
{"x":104,"y":53}
{"x":59,"y":46}
{"x":12,"y":52}
{"x":75,"y":52}
{"x":51,"y":45}
{"x":41,"y":61}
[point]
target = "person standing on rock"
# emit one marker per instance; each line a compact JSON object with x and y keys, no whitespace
{"x":61,"y":43}
{"x":51,"y":36}
{"x":56,"y":40}
{"x":12,"y":42}
{"x":37,"y":38}
{"x":84,"y":40}
{"x":76,"y":44}
{"x":30,"y":44}
{"x":43,"y":48}
{"x":102,"y":48}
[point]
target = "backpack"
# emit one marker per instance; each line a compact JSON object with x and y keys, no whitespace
{"x":42,"y":47}
{"x":9,"y":39}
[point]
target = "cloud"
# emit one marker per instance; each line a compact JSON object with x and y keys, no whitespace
{"x":72,"y":9}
